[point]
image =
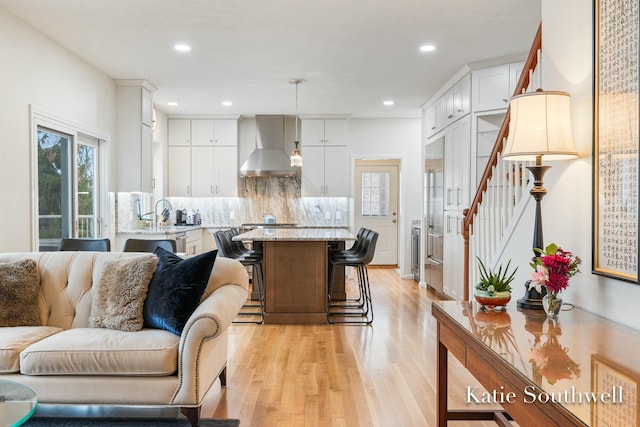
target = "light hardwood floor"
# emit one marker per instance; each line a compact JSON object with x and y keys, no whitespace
{"x":341,"y":375}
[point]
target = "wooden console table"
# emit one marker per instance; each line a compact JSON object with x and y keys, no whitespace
{"x":578,"y":370}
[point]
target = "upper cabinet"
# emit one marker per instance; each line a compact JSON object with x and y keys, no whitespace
{"x":324,"y":132}
{"x":214,"y":132}
{"x":179,"y":132}
{"x":492,"y":88}
{"x":203,"y":132}
{"x":450,"y":107}
{"x":134,"y":135}
{"x":203,"y":157}
{"x":325,"y":172}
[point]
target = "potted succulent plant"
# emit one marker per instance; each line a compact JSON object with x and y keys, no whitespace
{"x":494,"y":288}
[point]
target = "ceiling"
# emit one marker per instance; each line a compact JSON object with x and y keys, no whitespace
{"x":353,"y":54}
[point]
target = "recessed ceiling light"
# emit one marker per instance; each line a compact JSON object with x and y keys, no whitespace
{"x":388,"y":102}
{"x":182,"y":47}
{"x":427,"y":48}
{"x":173,"y":104}
{"x":227,"y":103}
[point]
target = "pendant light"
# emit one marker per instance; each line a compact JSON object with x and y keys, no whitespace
{"x":296,"y":156}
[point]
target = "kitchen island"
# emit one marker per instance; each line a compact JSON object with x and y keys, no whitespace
{"x":296,"y":265}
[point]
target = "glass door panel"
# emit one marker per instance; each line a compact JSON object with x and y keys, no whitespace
{"x":86,"y":194}
{"x":54,"y":188}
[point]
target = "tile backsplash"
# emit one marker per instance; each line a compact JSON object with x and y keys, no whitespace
{"x":279,"y":197}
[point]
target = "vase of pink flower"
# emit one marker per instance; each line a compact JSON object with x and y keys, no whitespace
{"x":553,"y":269}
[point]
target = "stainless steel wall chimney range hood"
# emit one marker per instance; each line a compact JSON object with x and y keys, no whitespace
{"x":269,"y":158}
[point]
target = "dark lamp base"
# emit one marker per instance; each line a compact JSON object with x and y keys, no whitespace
{"x":530,"y":304}
{"x":532,"y":299}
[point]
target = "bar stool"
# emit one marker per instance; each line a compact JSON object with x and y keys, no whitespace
{"x":359,"y":310}
{"x":95,"y":245}
{"x":148,"y":245}
{"x":229,"y":248}
{"x":353,"y":251}
{"x":354,"y":248}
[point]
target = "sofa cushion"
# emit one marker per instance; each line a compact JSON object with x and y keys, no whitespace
{"x":19,"y":290}
{"x":92,"y":351}
{"x":176,"y":289}
{"x":120,"y":293}
{"x":15,"y":339}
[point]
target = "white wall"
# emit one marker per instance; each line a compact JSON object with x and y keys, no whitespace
{"x":567,"y":65}
{"x":36,"y":71}
{"x":394,"y":139}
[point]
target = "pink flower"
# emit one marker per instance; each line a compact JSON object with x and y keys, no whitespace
{"x":540,"y":277}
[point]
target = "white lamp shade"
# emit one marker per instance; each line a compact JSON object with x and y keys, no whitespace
{"x":540,"y":125}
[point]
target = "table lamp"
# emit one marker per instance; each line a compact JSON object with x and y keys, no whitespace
{"x":540,"y":126}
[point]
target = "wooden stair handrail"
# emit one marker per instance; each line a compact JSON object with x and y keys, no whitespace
{"x":469,"y":214}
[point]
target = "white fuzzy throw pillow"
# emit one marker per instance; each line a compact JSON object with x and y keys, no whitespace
{"x":19,"y":291}
{"x":119,"y":297}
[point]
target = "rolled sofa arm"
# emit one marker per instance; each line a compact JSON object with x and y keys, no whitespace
{"x":202,"y":353}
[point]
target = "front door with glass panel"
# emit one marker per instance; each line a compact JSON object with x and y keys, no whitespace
{"x":67,"y":187}
{"x":376,"y":206}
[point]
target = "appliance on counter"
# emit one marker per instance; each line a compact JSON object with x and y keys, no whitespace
{"x":434,"y":213}
{"x":181,"y":216}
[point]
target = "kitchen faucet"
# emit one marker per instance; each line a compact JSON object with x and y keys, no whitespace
{"x":155,"y":210}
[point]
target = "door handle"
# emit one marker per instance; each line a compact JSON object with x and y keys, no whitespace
{"x":394,"y":220}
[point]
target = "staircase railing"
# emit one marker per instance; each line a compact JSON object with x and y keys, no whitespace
{"x":502,"y":187}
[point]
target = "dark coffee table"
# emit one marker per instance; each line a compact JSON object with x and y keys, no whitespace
{"x":17,"y":403}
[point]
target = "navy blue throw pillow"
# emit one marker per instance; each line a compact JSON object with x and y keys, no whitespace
{"x":175,"y":289}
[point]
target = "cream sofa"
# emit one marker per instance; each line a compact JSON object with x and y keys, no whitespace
{"x":68,"y":363}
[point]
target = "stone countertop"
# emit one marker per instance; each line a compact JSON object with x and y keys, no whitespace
{"x":179,"y":229}
{"x":296,"y":234}
{"x":173,"y":229}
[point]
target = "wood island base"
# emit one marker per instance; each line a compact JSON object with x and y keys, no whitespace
{"x":296,"y":270}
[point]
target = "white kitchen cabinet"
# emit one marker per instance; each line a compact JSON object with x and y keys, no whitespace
{"x":450,"y":107}
{"x":226,"y":171}
{"x":179,"y":171}
{"x":134,"y":135}
{"x":202,"y":171}
{"x":324,"y":132}
{"x":194,"y":242}
{"x":462,"y":97}
{"x":206,"y":165}
{"x":147,"y":108}
{"x":441,"y":114}
{"x":325,"y":172}
{"x":214,"y":132}
{"x":429,"y":123}
{"x":492,"y":88}
{"x":457,"y":100}
{"x":179,"y":132}
{"x":146,"y":159}
{"x":457,"y":164}
{"x":453,"y":252}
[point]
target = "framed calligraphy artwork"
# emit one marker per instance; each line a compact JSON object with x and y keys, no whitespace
{"x":615,"y":394}
{"x":615,"y":139}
